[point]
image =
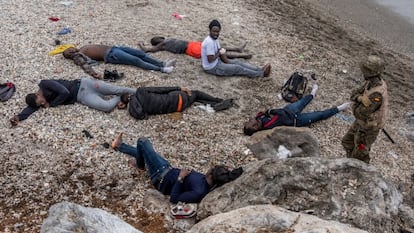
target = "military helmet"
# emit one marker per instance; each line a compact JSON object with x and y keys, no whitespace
{"x":372,"y":66}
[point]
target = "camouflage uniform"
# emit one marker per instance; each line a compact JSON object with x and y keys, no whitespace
{"x":370,"y":106}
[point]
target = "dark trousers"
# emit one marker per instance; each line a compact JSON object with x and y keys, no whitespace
{"x":199,"y":96}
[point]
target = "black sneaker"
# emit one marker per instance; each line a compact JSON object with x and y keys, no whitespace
{"x":113,"y":76}
{"x":107,"y":74}
{"x":117,"y":75}
{"x":225,"y":104}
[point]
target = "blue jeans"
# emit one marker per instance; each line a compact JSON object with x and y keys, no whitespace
{"x":146,"y":156}
{"x":305,"y":119}
{"x":134,"y":57}
{"x":236,"y":67}
{"x":91,"y":93}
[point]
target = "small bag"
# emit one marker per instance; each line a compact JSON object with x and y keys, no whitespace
{"x":295,"y":87}
{"x":183,"y":210}
{"x":6,"y":91}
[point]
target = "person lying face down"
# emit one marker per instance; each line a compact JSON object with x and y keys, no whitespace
{"x":115,"y":55}
{"x":182,"y":185}
{"x":191,"y":48}
{"x":290,"y":115}
{"x":162,"y":100}
{"x":86,"y":91}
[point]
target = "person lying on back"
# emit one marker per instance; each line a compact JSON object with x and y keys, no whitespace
{"x":182,"y":185}
{"x":290,"y":115}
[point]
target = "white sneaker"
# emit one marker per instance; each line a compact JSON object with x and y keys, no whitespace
{"x":170,"y":62}
{"x":167,"y":69}
{"x":314,"y":89}
{"x":344,"y":106}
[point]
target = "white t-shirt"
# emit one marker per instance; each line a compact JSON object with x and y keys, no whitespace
{"x":209,"y":47}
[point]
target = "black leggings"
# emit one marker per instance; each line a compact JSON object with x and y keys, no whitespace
{"x":199,"y":96}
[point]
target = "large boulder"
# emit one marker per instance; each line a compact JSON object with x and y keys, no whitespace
{"x":346,"y":190}
{"x":283,"y":142}
{"x":66,"y":217}
{"x":407,"y":218}
{"x":268,"y":218}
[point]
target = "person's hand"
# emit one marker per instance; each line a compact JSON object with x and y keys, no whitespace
{"x":46,"y":105}
{"x":186,"y":90}
{"x":14,"y":120}
{"x":222,"y":51}
{"x":97,"y":76}
{"x":141,"y":45}
{"x":183,"y":173}
{"x":364,"y":100}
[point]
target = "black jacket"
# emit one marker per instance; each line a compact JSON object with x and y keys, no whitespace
{"x":155,"y":100}
{"x":57,"y":92}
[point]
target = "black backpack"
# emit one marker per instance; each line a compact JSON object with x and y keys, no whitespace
{"x":6,"y":91}
{"x":295,"y":87}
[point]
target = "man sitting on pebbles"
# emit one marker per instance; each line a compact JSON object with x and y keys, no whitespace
{"x":162,"y":100}
{"x":115,"y":55}
{"x":182,"y":185}
{"x":86,"y":91}
{"x":191,"y":48}
{"x":215,"y":61}
{"x":290,"y":115}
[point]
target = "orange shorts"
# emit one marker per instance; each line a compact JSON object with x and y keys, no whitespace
{"x":180,"y":103}
{"x":194,"y":49}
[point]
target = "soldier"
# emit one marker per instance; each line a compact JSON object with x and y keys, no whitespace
{"x":370,"y":107}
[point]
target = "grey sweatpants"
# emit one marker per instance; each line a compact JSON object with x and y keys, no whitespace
{"x":236,"y":67}
{"x":92,"y":91}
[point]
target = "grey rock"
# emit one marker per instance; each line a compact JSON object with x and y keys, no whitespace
{"x":66,"y":217}
{"x":346,"y":190}
{"x":301,"y":142}
{"x":407,"y":217}
{"x":268,"y":218}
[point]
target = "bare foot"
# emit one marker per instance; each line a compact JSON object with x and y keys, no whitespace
{"x":117,"y":142}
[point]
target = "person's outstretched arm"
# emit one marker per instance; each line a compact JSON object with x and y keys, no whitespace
{"x":153,"y":49}
{"x":82,"y":61}
{"x":23,"y":115}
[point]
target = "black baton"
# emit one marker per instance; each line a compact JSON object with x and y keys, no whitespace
{"x":388,"y":136}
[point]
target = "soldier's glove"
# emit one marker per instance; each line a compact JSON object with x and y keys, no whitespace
{"x":364,"y":100}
